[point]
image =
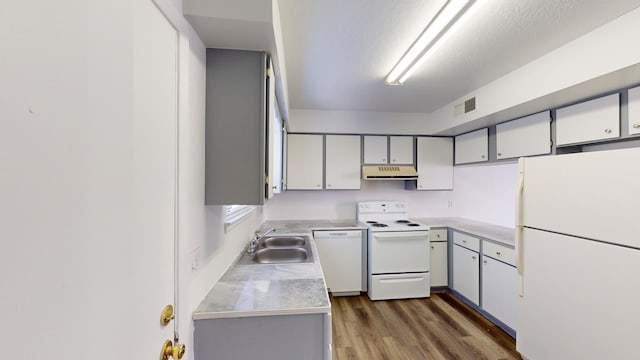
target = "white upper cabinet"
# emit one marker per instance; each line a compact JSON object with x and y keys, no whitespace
{"x":529,"y":135}
{"x":634,"y":111}
{"x":343,"y":162}
{"x":435,"y":163}
{"x":375,"y":149}
{"x":472,"y":147}
{"x":593,"y":120}
{"x":401,"y":150}
{"x":304,"y":162}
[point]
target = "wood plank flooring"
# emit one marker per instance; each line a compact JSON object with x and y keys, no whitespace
{"x":440,"y":327}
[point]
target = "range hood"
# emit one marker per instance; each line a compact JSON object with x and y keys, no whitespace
{"x":389,"y":172}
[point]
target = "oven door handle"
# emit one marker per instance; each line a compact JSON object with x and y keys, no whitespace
{"x":406,"y":234}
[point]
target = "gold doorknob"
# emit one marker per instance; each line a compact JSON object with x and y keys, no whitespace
{"x":167,"y":315}
{"x":169,"y":350}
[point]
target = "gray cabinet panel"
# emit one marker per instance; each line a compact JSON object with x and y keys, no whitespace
{"x":235,"y":127}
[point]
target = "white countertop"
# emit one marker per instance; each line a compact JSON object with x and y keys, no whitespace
{"x":267,"y":289}
{"x":284,"y":289}
{"x":501,"y":234}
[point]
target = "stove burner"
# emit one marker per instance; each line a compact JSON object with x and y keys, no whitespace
{"x":413,"y":224}
{"x":403,"y":221}
{"x":372,"y":222}
{"x":379,"y":225}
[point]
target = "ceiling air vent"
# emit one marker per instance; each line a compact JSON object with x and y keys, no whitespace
{"x":465,"y":107}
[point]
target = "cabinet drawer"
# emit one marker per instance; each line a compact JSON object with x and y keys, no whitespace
{"x":468,"y":241}
{"x":438,"y":235}
{"x":399,"y":286}
{"x":499,"y":252}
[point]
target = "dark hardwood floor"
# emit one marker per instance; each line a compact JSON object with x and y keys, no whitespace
{"x":440,"y":327}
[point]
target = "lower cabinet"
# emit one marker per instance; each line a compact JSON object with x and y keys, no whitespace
{"x":499,"y":290}
{"x":466,"y":273}
{"x":439,"y":258}
{"x":484,"y":272}
{"x":341,"y":258}
{"x":275,"y":337}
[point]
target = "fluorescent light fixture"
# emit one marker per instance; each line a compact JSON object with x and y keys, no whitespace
{"x":432,"y":37}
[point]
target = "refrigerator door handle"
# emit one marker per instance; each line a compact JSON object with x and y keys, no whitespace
{"x":519,"y":262}
{"x":519,"y":229}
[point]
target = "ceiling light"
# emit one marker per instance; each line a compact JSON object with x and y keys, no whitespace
{"x":451,"y":14}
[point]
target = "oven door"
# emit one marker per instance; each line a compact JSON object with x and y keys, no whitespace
{"x":398,"y":252}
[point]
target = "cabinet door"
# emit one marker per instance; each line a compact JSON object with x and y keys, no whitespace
{"x":634,"y":111}
{"x":304,"y":162}
{"x":499,"y":290}
{"x":401,"y":149}
{"x":343,"y":162}
{"x":340,"y":254}
{"x":375,"y":149}
{"x":435,"y":163}
{"x":466,"y":273}
{"x":472,"y":147}
{"x":529,"y":135}
{"x":439,"y":270}
{"x":589,"y":121}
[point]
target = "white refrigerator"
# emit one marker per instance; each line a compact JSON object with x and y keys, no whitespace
{"x":578,"y":253}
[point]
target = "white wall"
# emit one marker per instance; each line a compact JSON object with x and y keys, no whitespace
{"x":486,"y":192}
{"x":357,"y":122}
{"x":341,"y":204}
{"x":205,"y":249}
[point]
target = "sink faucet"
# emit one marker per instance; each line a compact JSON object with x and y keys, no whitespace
{"x":256,"y":240}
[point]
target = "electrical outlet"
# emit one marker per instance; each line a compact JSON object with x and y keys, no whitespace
{"x":195,"y":259}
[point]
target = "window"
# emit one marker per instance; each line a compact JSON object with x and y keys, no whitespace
{"x":235,"y":213}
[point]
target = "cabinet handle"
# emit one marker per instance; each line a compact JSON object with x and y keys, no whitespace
{"x":317,"y":185}
{"x":328,"y":185}
{"x":464,"y":241}
{"x":499,"y":154}
{"x":498,"y":253}
{"x":438,"y":235}
{"x":636,"y":126}
{"x":608,"y":131}
{"x":482,"y":156}
{"x":432,"y":247}
{"x":384,"y":159}
{"x":473,"y":257}
{"x":485,"y":261}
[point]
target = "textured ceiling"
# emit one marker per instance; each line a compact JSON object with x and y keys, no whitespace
{"x":339,"y":51}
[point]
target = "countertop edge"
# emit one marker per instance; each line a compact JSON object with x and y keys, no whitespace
{"x":257,"y":313}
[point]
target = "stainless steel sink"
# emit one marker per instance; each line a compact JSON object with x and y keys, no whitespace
{"x":280,"y":255}
{"x":283,"y":242}
{"x":279,"y":250}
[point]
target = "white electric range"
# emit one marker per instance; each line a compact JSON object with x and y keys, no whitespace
{"x":398,"y":251}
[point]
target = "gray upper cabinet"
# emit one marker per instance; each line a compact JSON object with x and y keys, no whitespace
{"x":375,"y":149}
{"x":400,"y":150}
{"x":634,"y":111}
{"x":236,"y":117}
{"x":472,"y":147}
{"x":530,"y":135}
{"x":304,"y":161}
{"x":435,"y":163}
{"x":592,"y":120}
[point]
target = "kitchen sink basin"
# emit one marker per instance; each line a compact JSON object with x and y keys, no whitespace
{"x":279,"y":250}
{"x":283,"y":242}
{"x":280,"y":255}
